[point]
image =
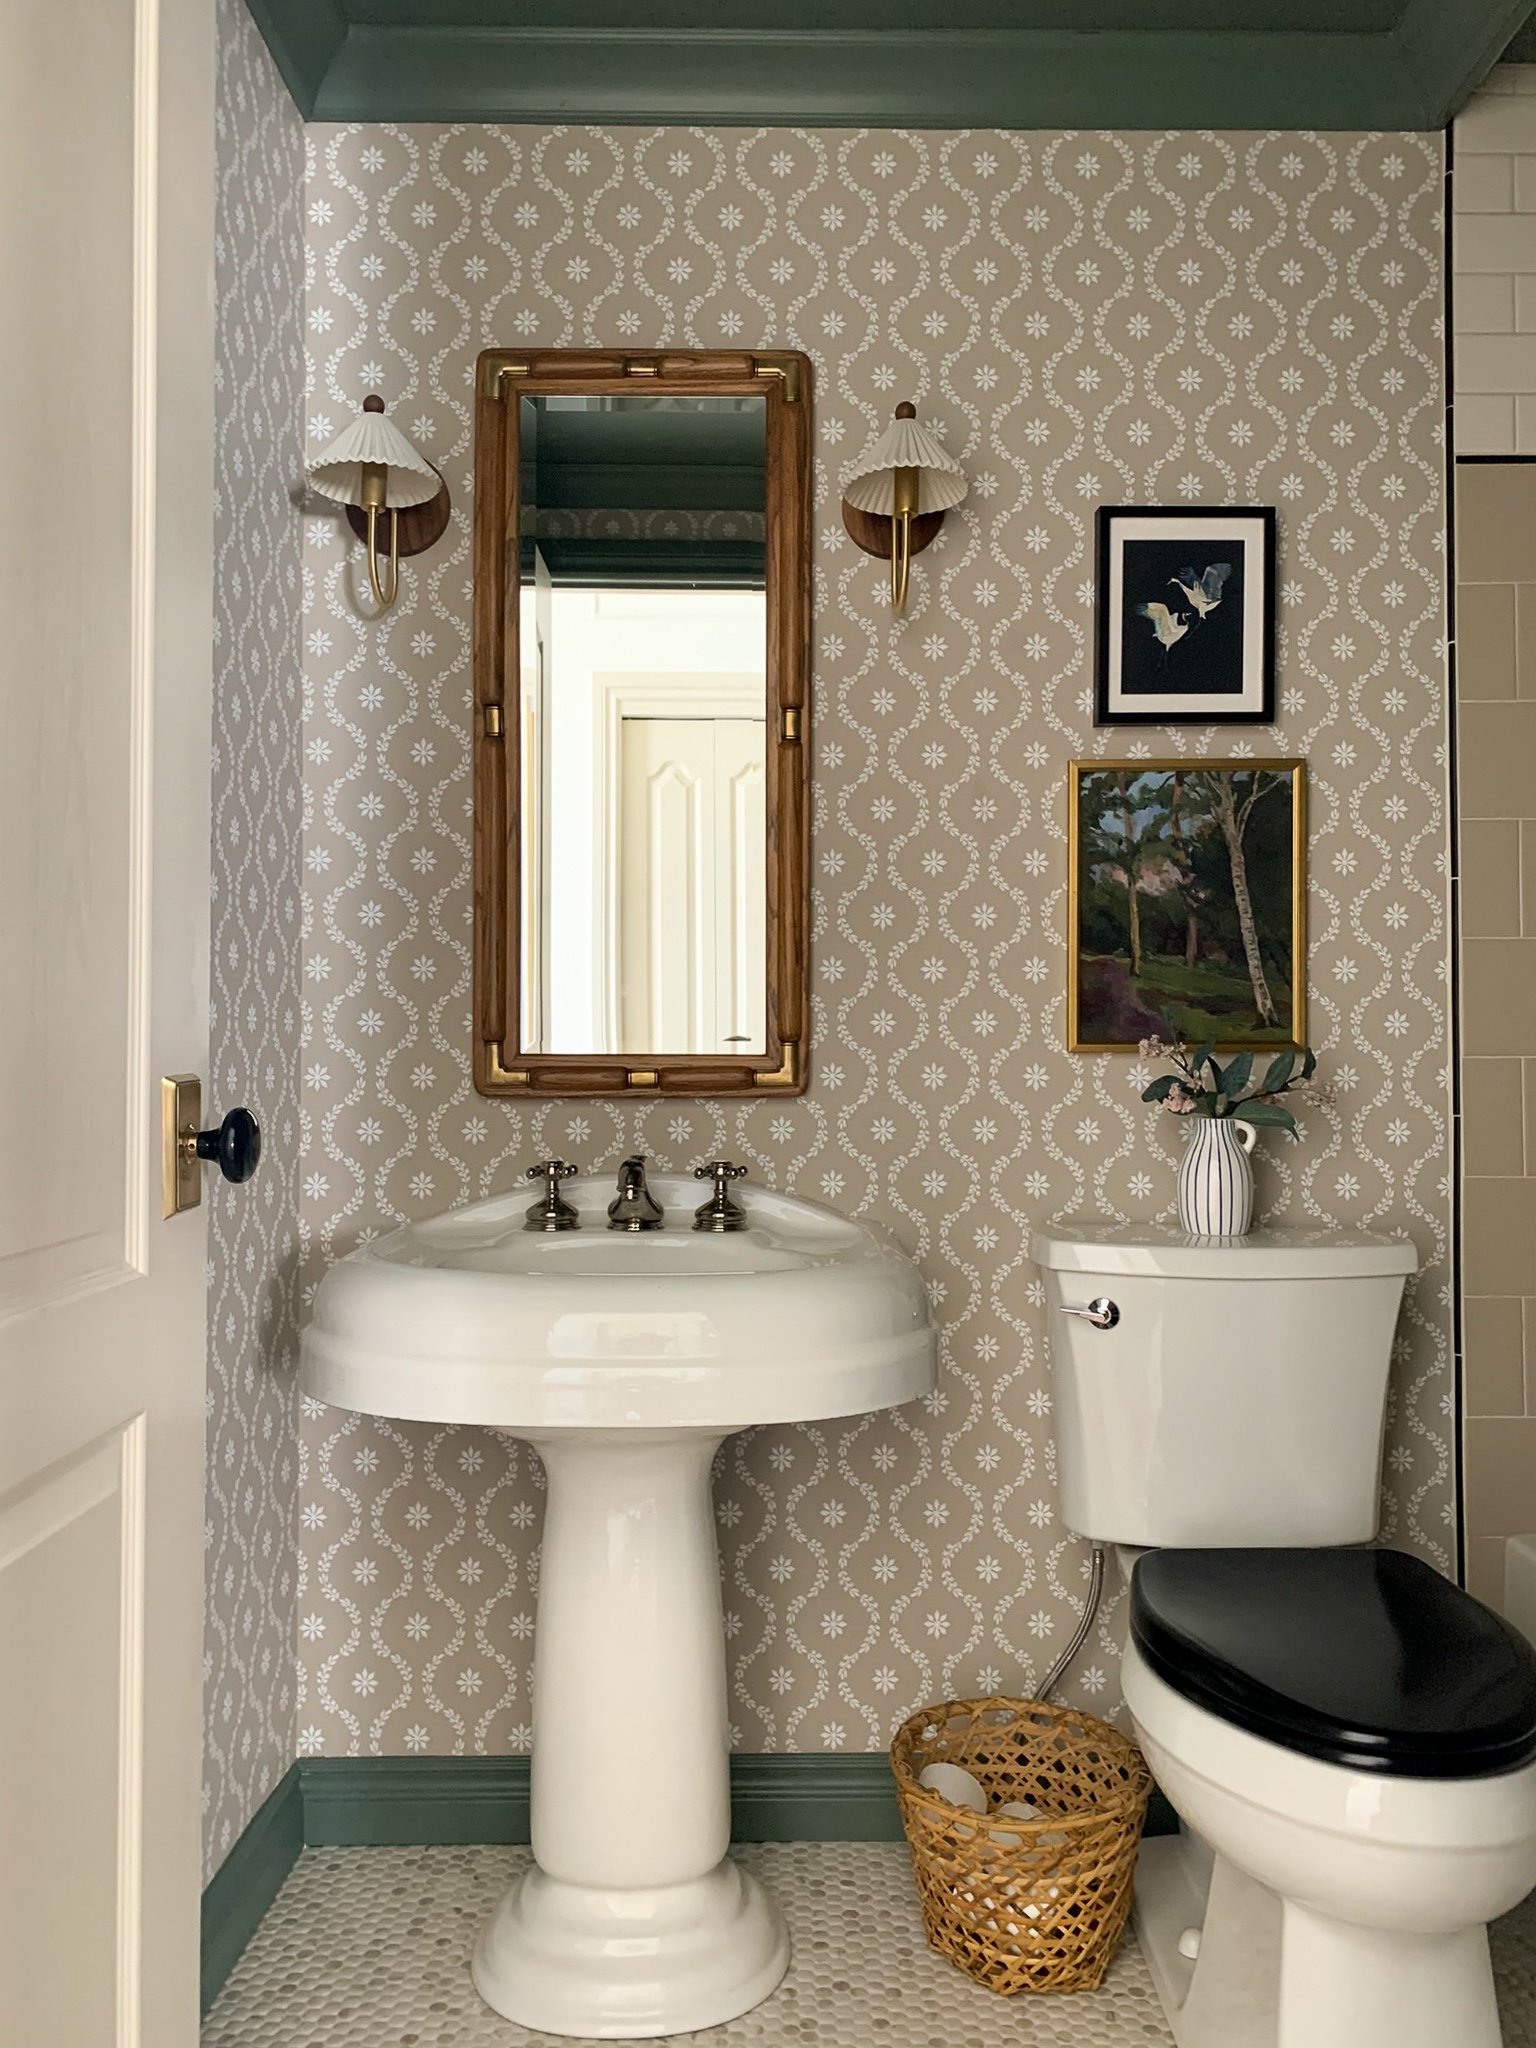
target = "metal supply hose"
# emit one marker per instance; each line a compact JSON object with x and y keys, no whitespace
{"x":1080,"y":1633}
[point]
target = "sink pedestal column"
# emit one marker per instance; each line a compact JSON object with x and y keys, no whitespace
{"x":633,"y":1922}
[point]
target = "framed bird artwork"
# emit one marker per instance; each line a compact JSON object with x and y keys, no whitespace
{"x":1185,"y":616}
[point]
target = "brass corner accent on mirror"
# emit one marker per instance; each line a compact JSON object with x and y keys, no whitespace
{"x":642,"y":687}
{"x":787,"y":1078}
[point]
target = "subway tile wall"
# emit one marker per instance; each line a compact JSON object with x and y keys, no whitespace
{"x":1496,"y":714}
{"x":1493,"y":185}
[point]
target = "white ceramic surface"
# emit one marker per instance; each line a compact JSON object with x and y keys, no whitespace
{"x":625,"y":1361}
{"x":1341,"y":1909}
{"x":954,"y":1783}
{"x":1238,"y":1399}
{"x":1215,"y":1187}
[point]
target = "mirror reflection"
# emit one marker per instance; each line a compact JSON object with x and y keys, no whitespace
{"x":642,"y":707}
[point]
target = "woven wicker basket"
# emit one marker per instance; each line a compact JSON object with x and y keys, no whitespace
{"x":1024,"y":1905}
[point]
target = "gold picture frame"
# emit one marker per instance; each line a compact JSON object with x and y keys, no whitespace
{"x":1229,"y":967}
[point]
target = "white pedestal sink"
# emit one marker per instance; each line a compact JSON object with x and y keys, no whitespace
{"x":626,"y":1361}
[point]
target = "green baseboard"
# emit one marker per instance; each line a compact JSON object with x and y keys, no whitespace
{"x":372,"y":1801}
{"x":400,"y":1799}
{"x":249,"y":1879}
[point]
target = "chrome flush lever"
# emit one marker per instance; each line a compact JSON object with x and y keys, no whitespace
{"x":1101,"y":1312}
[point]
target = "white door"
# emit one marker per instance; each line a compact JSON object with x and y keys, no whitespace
{"x":106,"y":163}
{"x":692,"y":932}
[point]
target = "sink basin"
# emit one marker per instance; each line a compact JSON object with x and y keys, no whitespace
{"x":469,"y":1318}
{"x":625,"y":1361}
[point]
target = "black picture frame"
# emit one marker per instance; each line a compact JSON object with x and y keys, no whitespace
{"x":1205,"y":656}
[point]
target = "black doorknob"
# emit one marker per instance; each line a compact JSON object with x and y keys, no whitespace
{"x":236,"y":1145}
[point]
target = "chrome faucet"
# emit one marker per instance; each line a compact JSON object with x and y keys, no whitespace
{"x":551,"y":1211}
{"x":634,"y":1207}
{"x":720,"y":1213}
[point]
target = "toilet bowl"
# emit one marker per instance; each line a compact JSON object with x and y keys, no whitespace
{"x":1353,"y":1815}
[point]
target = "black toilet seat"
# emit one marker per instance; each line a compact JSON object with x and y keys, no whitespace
{"x":1365,"y":1658}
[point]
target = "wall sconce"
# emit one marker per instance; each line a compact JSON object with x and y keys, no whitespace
{"x":895,"y":501}
{"x":371,"y":468}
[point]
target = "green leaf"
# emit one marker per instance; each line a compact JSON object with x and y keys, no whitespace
{"x":1308,"y":1064}
{"x":1238,"y":1075}
{"x":1268,"y":1114}
{"x":1159,"y":1089}
{"x":1281,"y":1068}
{"x":1198,"y":1059}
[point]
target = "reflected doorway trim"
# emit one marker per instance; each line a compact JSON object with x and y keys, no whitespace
{"x":501,"y":1066}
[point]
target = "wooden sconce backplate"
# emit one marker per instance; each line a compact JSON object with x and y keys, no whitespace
{"x":872,"y":530}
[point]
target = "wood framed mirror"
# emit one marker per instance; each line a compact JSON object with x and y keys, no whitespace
{"x":641,"y":747}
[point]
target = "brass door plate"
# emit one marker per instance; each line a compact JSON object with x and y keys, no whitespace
{"x":181,"y":1171}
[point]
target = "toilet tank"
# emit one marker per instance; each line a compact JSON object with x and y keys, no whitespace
{"x":1240,"y":1394}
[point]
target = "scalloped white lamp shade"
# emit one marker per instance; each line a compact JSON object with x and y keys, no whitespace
{"x":374,"y":438}
{"x":906,"y":444}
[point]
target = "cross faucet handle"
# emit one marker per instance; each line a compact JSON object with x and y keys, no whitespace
{"x":720,"y":1212}
{"x":551,"y":1211}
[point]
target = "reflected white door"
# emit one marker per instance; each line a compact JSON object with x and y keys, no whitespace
{"x":106,"y":253}
{"x":692,"y":931}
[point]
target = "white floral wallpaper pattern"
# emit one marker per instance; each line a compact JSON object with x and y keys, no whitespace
{"x":252,"y":1505}
{"x":1196,"y":318}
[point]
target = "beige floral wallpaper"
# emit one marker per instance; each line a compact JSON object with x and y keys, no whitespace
{"x":1182,"y":318}
{"x":251,"y":1525}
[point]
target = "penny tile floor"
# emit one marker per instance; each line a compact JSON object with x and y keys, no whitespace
{"x":369,"y":1948}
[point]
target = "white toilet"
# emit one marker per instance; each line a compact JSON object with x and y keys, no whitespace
{"x":1349,"y":1740}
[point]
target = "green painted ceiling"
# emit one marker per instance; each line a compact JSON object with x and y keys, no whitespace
{"x":893,"y":63}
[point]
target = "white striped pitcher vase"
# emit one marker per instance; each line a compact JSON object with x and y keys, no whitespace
{"x":1215,"y":1178}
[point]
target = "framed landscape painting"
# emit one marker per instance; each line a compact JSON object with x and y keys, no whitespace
{"x":1185,"y":617}
{"x":1186,"y":903}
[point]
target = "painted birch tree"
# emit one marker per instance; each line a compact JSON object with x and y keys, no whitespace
{"x":1232,"y":815}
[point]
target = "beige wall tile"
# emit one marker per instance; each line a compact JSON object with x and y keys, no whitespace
{"x":1495,"y":241}
{"x":1525,"y":640}
{"x":1498,"y":998}
{"x":1485,"y":1568}
{"x":1493,"y":1355}
{"x":1525,"y":185}
{"x":1484,"y":184}
{"x":1499,"y":1236}
{"x":1490,"y":878}
{"x":1528,"y":1098}
{"x":1496,"y":362}
{"x":1501,"y":1475}
{"x":1497,"y":753}
{"x":1525,"y":301}
{"x":1485,"y":426}
{"x":1494,"y":122}
{"x":1486,"y":657}
{"x":1527,"y":831}
{"x":1485,"y":305}
{"x":1492,"y":1116}
{"x":1496,"y":522}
